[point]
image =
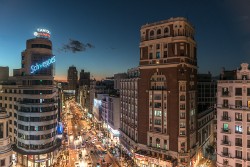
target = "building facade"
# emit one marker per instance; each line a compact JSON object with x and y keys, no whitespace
{"x":5,"y":144}
{"x":72,"y":78}
{"x":4,"y":73}
{"x":167,"y":125}
{"x":129,"y":111}
{"x":233,"y":118}
{"x":32,"y":104}
{"x":111,"y":117}
{"x":84,"y":78}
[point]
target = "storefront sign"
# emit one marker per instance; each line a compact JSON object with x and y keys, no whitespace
{"x":44,"y":64}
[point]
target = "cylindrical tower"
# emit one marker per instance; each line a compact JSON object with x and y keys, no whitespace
{"x":5,"y":145}
{"x":36,"y":110}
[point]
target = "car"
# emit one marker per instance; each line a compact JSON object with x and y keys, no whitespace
{"x":93,"y":141}
{"x":77,"y":164}
{"x":86,"y":157}
{"x":80,"y":156}
{"x":90,"y":164}
{"x":98,"y":165}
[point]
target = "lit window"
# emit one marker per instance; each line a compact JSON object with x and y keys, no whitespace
{"x":238,"y":129}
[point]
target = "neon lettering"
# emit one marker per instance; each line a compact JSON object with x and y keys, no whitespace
{"x":44,"y":64}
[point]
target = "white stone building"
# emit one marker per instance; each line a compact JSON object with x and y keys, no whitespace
{"x":233,"y":118}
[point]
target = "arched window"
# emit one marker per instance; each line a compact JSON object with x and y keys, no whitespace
{"x":166,"y":31}
{"x":158,"y":32}
{"x":158,"y":143}
{"x":152,"y":33}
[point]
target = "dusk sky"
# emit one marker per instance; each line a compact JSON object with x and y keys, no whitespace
{"x":113,"y":28}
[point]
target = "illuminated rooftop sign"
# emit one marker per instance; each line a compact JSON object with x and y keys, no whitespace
{"x":44,"y":64}
{"x":42,"y":33}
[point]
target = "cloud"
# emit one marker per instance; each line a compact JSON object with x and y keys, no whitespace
{"x":75,"y":46}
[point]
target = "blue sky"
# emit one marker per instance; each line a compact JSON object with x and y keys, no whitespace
{"x":113,"y":27}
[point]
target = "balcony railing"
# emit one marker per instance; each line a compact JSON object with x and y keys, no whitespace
{"x":225,"y":94}
{"x":238,"y":144}
{"x":226,"y":118}
{"x":225,"y":154}
{"x":225,"y":142}
{"x":238,"y":119}
{"x":238,"y":157}
{"x":227,"y":131}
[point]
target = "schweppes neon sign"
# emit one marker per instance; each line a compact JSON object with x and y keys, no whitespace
{"x":44,"y":64}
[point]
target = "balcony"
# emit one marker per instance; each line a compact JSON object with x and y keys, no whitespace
{"x":225,"y":94}
{"x":238,"y":144}
{"x":226,"y":119}
{"x":225,"y":154}
{"x":238,"y":157}
{"x":225,"y":142}
{"x":227,"y":131}
{"x":238,"y":119}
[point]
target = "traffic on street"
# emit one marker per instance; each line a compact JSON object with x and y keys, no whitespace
{"x":81,"y":143}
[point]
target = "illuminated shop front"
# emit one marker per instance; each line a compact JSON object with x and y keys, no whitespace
{"x":41,"y":160}
{"x":114,"y":135}
{"x":145,"y":160}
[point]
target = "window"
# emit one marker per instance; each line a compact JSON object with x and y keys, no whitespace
{"x":225,"y":127}
{"x":225,"y":91}
{"x":157,"y":46}
{"x":238,"y":154}
{"x":2,"y":162}
{"x":238,"y":91}
{"x":165,"y":144}
{"x":225,"y":115}
{"x":225,"y":103}
{"x":238,"y":165}
{"x":158,"y":143}
{"x":238,"y":103}
{"x":157,"y":122}
{"x":248,"y":91}
{"x":150,"y":55}
{"x":225,"y":162}
{"x":1,"y":130}
{"x":182,"y":98}
{"x":238,"y":116}
{"x":151,"y":33}
{"x":248,"y":130}
{"x":248,"y":117}
{"x":238,"y":129}
{"x":238,"y":142}
{"x":182,"y":106}
{"x":158,"y":113}
{"x":158,"y":55}
{"x":166,"y":31}
{"x":7,"y":129}
{"x":225,"y":151}
{"x":158,"y":32}
{"x":182,"y":133}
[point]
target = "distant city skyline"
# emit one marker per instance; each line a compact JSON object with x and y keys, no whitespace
{"x":110,"y":32}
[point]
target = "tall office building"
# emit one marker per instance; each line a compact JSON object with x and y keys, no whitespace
{"x":32,"y":104}
{"x":72,"y":78}
{"x":4,"y":73}
{"x":84,"y":78}
{"x":167,"y":131}
{"x":233,"y":117}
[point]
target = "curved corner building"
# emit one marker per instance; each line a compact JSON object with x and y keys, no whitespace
{"x":5,"y":145}
{"x":36,"y":106}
